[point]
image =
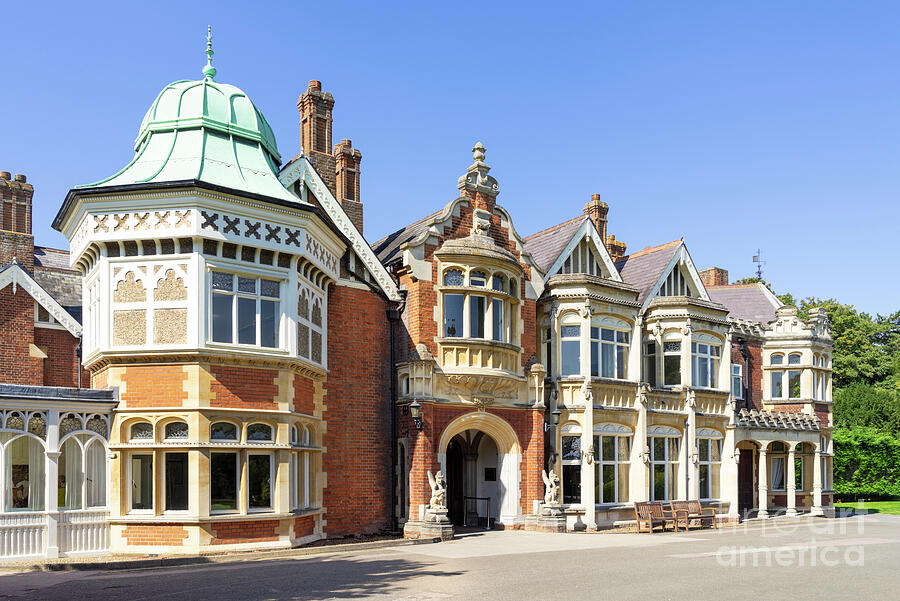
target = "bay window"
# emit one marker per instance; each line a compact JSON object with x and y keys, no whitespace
{"x":310,"y":324}
{"x":547,"y":344}
{"x":472,"y":309}
{"x":245,"y":310}
{"x":24,"y":469}
{"x":671,"y":363}
{"x":141,"y":482}
{"x":570,"y":350}
{"x":611,"y":465}
{"x":709,"y":451}
{"x":650,"y":364}
{"x":704,"y":364}
{"x":223,"y":481}
{"x":176,"y":479}
{"x":664,"y":467}
{"x":259,"y":489}
{"x":609,"y":352}
{"x":571,"y":468}
{"x":777,"y":462}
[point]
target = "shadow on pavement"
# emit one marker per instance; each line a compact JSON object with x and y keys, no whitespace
{"x":354,"y":577}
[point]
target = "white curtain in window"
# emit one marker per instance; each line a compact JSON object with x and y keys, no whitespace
{"x":778,"y":473}
{"x":72,"y":454}
{"x":95,"y":459}
{"x":35,"y":475}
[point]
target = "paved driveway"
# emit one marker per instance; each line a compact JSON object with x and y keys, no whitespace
{"x":850,"y":558}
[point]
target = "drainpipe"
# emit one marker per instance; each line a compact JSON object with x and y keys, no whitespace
{"x":78,"y":366}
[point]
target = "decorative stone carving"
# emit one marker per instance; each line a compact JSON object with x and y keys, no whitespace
{"x":170,"y":326}
{"x":471,"y":385}
{"x":171,"y":288}
{"x":129,"y":327}
{"x":438,"y":491}
{"x":483,"y":402}
{"x":130,"y":290}
{"x":551,"y":487}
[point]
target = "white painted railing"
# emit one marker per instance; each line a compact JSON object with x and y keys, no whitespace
{"x":22,"y":534}
{"x":83,"y":531}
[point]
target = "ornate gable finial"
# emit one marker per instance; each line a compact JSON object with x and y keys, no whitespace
{"x":478,"y":152}
{"x":209,"y":72}
{"x":476,"y":178}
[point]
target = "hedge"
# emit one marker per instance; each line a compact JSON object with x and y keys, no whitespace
{"x":866,"y":463}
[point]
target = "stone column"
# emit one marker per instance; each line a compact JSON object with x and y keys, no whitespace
{"x":51,"y":473}
{"x":588,"y":499}
{"x":693,"y":468}
{"x":791,"y":478}
{"x":763,"y":485}
{"x":817,"y":484}
{"x":638,"y":484}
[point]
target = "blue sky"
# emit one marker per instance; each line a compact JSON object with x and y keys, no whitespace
{"x":735,"y":125}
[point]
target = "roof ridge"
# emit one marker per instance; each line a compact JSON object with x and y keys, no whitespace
{"x":722,"y":286}
{"x":652,"y":249}
{"x":582,"y":216}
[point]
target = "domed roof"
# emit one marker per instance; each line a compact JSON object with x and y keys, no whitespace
{"x":208,"y":131}
{"x":207,"y":103}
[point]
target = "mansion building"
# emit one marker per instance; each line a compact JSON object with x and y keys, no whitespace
{"x":221,"y":361}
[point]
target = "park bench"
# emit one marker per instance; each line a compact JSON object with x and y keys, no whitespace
{"x":652,"y":513}
{"x":686,"y":511}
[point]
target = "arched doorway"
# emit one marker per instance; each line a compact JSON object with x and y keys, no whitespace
{"x":473,"y":494}
{"x":480,"y":455}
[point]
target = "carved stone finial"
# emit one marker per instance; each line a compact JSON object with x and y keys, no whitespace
{"x":478,"y":152}
{"x":438,"y":491}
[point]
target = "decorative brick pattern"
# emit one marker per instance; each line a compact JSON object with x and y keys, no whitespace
{"x":231,"y":533}
{"x":243,"y":387}
{"x":171,"y":535}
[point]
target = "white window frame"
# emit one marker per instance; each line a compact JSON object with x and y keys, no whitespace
{"x":152,"y":509}
{"x":621,"y":339}
{"x":237,"y":491}
{"x":571,"y":337}
{"x":272,"y":493}
{"x":165,"y":482}
{"x":670,"y":465}
{"x":616,"y":462}
{"x":737,"y":377}
{"x":710,"y":464}
{"x":711,"y":357}
{"x":235,"y":294}
{"x":672,"y":353}
{"x":314,"y":295}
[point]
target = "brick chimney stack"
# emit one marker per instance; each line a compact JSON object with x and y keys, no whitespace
{"x":714,"y":276}
{"x":16,"y":240}
{"x":315,"y":130}
{"x":347,"y":160}
{"x":597,"y":210}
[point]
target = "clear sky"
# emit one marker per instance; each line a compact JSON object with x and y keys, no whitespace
{"x":735,"y":125}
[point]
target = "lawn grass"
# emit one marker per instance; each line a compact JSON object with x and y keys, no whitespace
{"x":892,"y":507}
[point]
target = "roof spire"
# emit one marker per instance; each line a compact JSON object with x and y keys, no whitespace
{"x":209,"y":72}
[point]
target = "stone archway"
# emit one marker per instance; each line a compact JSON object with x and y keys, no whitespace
{"x":509,"y":457}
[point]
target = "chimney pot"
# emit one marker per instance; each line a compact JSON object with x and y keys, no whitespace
{"x":315,"y":84}
{"x":4,"y":175}
{"x":595,"y":197}
{"x":20,"y":178}
{"x":346,"y":142}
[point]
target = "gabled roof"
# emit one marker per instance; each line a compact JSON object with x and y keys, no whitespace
{"x":52,"y":272}
{"x":643,"y":269}
{"x":15,"y":275}
{"x":748,"y":302}
{"x":388,"y":247}
{"x":301,"y":169}
{"x":546,"y":245}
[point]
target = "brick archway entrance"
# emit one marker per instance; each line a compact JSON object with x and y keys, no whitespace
{"x":465,"y":435}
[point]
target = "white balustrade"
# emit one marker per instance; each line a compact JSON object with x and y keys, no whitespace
{"x":22,"y":534}
{"x":83,"y":532}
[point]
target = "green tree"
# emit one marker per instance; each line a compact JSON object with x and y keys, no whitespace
{"x":862,"y":405}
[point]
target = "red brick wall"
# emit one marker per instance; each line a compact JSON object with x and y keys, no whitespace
{"x":16,"y":333}
{"x":61,"y":365}
{"x":304,"y":389}
{"x":18,"y":246}
{"x":357,"y":459}
{"x":527,"y":424}
{"x":756,"y":373}
{"x":230,"y":533}
{"x":155,"y":534}
{"x":243,"y":387}
{"x":304,"y":526}
{"x":148,"y":386}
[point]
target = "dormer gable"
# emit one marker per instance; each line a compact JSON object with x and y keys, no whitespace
{"x":585,"y":253}
{"x":679,"y":278}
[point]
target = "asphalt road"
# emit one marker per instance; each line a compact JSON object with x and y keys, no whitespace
{"x":846,"y":558}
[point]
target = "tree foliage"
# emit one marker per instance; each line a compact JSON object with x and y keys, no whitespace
{"x":866,"y":463}
{"x":861,"y":405}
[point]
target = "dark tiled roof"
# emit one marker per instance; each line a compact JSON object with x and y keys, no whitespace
{"x":750,"y":302}
{"x":53,"y":274}
{"x":642,"y":269}
{"x":546,"y":245}
{"x":386,"y":249}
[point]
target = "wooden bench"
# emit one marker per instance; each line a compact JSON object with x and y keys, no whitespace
{"x":686,"y":511}
{"x":652,"y":513}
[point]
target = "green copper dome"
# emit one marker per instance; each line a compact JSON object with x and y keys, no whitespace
{"x":208,"y":131}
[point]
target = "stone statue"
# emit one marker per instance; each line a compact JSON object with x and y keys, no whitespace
{"x":551,"y":488}
{"x":438,"y":490}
